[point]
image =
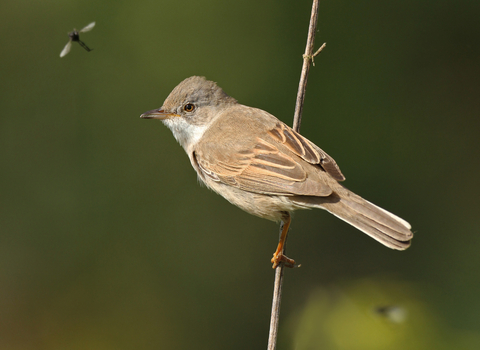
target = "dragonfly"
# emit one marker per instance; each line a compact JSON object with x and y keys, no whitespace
{"x":75,"y":36}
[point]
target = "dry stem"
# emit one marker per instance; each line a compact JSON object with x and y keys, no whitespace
{"x":297,"y":119}
{"x":307,"y":59}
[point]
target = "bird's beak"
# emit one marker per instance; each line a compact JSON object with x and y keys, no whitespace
{"x":158,"y":114}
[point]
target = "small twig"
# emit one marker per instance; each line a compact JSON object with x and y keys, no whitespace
{"x":307,"y":58}
{"x":297,"y":119}
{"x":315,"y":54}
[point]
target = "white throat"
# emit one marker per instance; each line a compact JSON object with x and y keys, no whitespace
{"x":186,"y":134}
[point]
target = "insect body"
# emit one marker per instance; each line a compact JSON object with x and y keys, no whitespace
{"x":75,"y":36}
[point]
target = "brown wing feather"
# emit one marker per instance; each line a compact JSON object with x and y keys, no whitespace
{"x":263,"y":170}
{"x":306,"y":149}
{"x":276,"y":160}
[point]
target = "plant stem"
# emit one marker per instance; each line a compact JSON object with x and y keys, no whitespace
{"x":307,"y":60}
{"x":297,"y":119}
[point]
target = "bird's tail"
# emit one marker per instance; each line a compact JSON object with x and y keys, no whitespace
{"x":376,"y":222}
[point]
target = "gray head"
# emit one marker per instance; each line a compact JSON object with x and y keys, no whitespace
{"x":190,"y":108}
{"x":197,"y":91}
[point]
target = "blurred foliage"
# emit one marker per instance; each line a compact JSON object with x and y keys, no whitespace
{"x":108,"y":242}
{"x":347,"y":317}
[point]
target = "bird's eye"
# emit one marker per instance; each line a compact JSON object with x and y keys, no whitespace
{"x":189,"y":107}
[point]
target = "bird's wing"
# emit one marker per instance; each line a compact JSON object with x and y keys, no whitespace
{"x":280,"y":163}
{"x":305,"y":149}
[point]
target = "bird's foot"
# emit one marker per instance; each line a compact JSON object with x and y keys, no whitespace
{"x":280,"y":258}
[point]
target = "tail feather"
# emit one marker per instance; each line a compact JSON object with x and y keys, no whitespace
{"x":383,"y":234}
{"x":385,"y":227}
{"x":379,"y":219}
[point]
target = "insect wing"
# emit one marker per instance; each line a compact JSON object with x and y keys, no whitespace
{"x":87,"y":28}
{"x":66,"y":49}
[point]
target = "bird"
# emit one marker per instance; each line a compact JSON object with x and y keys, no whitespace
{"x":75,"y":36}
{"x":261,"y":165}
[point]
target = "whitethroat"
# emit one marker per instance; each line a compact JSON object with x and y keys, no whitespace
{"x":261,"y":165}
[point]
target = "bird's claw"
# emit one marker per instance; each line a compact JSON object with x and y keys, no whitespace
{"x":280,"y":258}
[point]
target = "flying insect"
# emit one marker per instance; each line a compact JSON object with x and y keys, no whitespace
{"x":75,"y":36}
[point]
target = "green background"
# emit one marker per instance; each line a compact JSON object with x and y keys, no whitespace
{"x":108,"y":242}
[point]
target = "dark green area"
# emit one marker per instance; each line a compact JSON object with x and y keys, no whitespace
{"x":108,"y":242}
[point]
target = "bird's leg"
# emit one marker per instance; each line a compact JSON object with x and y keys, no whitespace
{"x":278,"y":256}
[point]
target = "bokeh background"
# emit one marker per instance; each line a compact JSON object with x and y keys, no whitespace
{"x":108,"y":242}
